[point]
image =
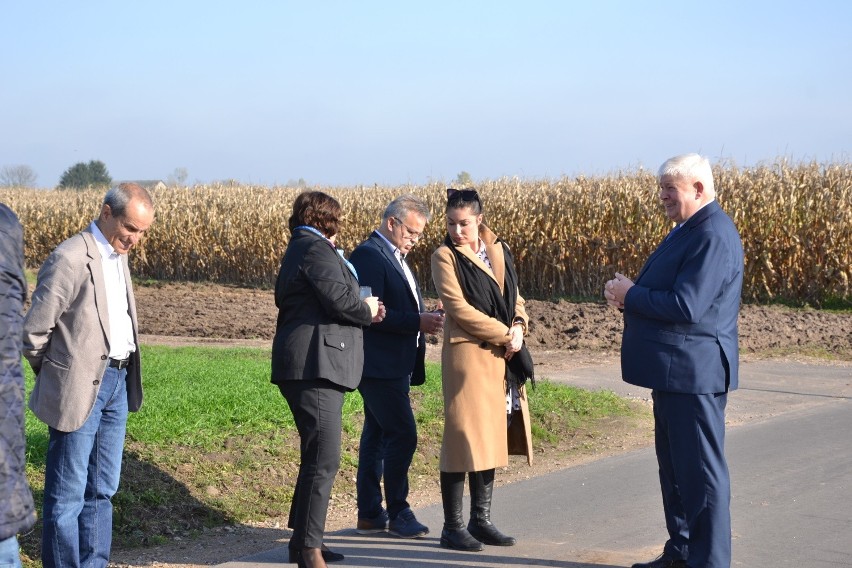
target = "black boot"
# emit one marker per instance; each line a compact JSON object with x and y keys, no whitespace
{"x":454,"y":535}
{"x":480,"y":526}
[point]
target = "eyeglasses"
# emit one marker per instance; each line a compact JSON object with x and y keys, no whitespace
{"x":413,"y":236}
{"x":462,"y":194}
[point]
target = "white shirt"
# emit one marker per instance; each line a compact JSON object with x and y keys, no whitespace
{"x":405,"y":270}
{"x":121,"y":343}
{"x":482,"y":253}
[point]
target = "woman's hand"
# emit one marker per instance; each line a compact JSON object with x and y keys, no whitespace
{"x":380,"y":312}
{"x":373,"y":303}
{"x":515,"y":341}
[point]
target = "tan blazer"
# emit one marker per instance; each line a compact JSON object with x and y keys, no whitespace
{"x":66,"y":335}
{"x":473,"y":371}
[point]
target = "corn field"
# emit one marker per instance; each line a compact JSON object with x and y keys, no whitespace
{"x":568,"y":235}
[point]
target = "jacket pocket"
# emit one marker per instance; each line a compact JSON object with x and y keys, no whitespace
{"x":58,"y":359}
{"x":339,"y":342}
{"x":667,"y":337}
{"x":340,"y":358}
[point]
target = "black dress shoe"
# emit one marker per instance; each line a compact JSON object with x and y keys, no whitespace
{"x":486,"y":533}
{"x":327,"y":555}
{"x":662,"y":561}
{"x":459,"y":539}
{"x":330,"y":556}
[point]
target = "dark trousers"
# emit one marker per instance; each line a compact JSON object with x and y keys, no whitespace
{"x":388,"y":442}
{"x":696,"y":487}
{"x":317,"y":407}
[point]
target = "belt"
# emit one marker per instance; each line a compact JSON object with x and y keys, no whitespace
{"x":119,"y":363}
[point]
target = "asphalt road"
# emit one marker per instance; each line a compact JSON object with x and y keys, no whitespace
{"x":790,"y":455}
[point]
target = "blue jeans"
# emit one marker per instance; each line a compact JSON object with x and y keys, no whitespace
{"x":81,"y":476}
{"x":388,"y":442}
{"x":9,"y":555}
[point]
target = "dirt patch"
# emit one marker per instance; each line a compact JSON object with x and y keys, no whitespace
{"x":213,"y":312}
{"x":562,"y":335}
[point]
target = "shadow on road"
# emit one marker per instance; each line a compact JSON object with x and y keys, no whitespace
{"x":426,"y":553}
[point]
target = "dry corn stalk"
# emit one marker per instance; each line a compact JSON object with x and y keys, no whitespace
{"x":568,"y":235}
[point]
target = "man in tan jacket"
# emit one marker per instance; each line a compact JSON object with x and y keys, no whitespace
{"x":80,"y":337}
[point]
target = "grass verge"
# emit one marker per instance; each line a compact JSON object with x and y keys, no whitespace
{"x":215,"y":444}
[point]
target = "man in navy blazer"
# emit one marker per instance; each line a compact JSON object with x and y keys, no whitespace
{"x":680,"y":340}
{"x":394,"y":352}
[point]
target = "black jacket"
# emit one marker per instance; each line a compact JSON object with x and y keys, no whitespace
{"x":318,"y":334}
{"x":17,"y":512}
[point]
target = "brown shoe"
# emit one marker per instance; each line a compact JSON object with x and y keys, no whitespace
{"x":327,"y":555}
{"x":373,"y":525}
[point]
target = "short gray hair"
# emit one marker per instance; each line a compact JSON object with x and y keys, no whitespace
{"x":405,"y":204}
{"x":119,"y":196}
{"x":691,"y":166}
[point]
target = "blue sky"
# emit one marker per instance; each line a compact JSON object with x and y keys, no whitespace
{"x":345,"y":93}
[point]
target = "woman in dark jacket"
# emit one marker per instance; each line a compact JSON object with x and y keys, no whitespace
{"x":17,"y":512}
{"x":317,"y":356}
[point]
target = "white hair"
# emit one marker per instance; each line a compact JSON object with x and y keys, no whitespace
{"x":692,"y":167}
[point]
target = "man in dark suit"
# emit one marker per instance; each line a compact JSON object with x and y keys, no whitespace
{"x":394,"y":352}
{"x":680,"y":340}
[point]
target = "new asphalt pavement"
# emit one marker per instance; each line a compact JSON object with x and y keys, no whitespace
{"x":789,"y":446}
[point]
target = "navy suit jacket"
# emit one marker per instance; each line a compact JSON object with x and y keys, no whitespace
{"x":680,"y":318}
{"x":391,"y":347}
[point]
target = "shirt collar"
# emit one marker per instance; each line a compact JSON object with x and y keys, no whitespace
{"x":107,"y":251}
{"x":390,"y":245}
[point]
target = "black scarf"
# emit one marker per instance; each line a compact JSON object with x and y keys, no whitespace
{"x":482,"y":292}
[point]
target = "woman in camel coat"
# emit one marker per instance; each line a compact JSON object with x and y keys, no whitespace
{"x":485,"y":323}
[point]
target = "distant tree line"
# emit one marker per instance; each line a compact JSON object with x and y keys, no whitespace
{"x":82,"y":175}
{"x":19,"y":175}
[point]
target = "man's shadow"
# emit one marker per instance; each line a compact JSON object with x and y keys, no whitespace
{"x":150,"y":507}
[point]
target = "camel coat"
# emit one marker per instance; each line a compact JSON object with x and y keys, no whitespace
{"x":476,"y":437}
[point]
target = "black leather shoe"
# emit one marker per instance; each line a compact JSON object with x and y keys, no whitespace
{"x":330,"y":556}
{"x":459,"y":539}
{"x":662,"y":561}
{"x":327,"y":555}
{"x":487,"y":533}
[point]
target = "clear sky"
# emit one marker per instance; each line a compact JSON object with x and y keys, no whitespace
{"x":362,"y":92}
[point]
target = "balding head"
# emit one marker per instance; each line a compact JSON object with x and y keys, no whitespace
{"x":126,"y":214}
